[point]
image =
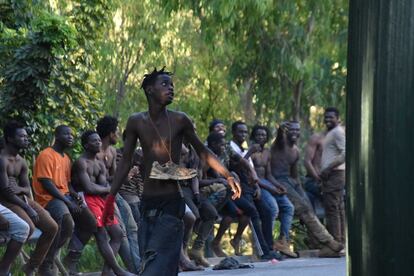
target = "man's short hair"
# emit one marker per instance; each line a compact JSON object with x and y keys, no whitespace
{"x":85,"y":136}
{"x":258,"y":127}
{"x":106,"y":126}
{"x":149,"y":79}
{"x":10,"y":129}
{"x":332,"y":109}
{"x":214,"y":137}
{"x":60,"y":128}
{"x":236,"y":124}
{"x":214,"y":123}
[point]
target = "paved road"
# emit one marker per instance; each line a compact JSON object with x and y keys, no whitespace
{"x":291,"y":267}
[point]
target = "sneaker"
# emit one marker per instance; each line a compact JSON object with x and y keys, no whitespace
{"x":197,"y":256}
{"x":334,"y":245}
{"x":327,"y":252}
{"x":172,"y":171}
{"x":283,"y":246}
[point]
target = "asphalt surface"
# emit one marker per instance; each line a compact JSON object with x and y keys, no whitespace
{"x":290,"y":267}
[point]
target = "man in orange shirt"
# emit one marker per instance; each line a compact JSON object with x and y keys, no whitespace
{"x":51,"y":178}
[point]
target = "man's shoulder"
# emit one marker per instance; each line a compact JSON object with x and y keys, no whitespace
{"x":338,"y":131}
{"x":46,"y":153}
{"x":137,"y":116}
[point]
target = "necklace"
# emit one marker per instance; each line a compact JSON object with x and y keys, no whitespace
{"x":159,"y":135}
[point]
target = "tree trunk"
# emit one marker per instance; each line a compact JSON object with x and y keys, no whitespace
{"x":297,"y":93}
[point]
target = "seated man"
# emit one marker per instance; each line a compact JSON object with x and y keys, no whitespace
{"x":89,"y":176}
{"x":273,"y":194}
{"x":51,"y":178}
{"x":283,"y":168}
{"x":16,"y":230}
{"x":15,"y":193}
{"x":250,"y":202}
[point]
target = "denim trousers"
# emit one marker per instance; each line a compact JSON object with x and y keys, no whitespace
{"x":281,"y":207}
{"x":129,"y":250}
{"x":161,"y":236}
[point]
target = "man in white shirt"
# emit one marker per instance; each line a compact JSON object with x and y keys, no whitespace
{"x":333,"y":174}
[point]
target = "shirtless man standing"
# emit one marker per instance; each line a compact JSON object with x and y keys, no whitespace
{"x":312,"y":162}
{"x":273,"y":194}
{"x":161,"y":134}
{"x":89,"y":176}
{"x":283,"y":167}
{"x":15,"y":195}
{"x":107,"y":128}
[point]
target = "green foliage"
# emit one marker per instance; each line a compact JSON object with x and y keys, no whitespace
{"x":45,"y":79}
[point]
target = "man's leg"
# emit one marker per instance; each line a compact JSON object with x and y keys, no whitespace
{"x":305,"y":212}
{"x":285,"y":216}
{"x":49,"y":228}
{"x":61,"y":214}
{"x":116,"y":234}
{"x":130,"y":252}
{"x":246,"y":204}
{"x":333,"y":202}
{"x":102,"y":242}
{"x":85,"y":227}
{"x":160,"y":253}
{"x":208,"y":215}
{"x":268,"y":210}
{"x":18,"y":232}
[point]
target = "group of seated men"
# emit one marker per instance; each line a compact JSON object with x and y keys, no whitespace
{"x":69,"y":200}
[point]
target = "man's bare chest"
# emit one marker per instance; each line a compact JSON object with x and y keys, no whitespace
{"x":14,"y":167}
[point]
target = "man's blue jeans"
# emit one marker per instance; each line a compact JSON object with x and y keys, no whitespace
{"x":282,"y":207}
{"x":129,"y":250}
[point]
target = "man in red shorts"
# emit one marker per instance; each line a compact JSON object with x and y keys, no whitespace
{"x":89,"y":176}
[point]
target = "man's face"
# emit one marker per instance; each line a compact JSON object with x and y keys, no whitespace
{"x":94,"y":143}
{"x":260,"y":136}
{"x":218,"y":147}
{"x":240,"y":133}
{"x":162,"y":90}
{"x":113,"y":137}
{"x":20,"y":139}
{"x":65,"y":137}
{"x":220,"y":128}
{"x":293,"y":132}
{"x":331,"y":120}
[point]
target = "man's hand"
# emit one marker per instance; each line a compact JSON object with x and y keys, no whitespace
{"x":109,"y":209}
{"x":4,"y":223}
{"x":33,"y":215}
{"x":235,"y":187}
{"x":280,"y":190}
{"x":325,"y":174}
{"x":257,"y":194}
{"x":255,"y":148}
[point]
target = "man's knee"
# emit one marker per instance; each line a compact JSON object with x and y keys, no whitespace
{"x":67,"y":225}
{"x":50,"y":228}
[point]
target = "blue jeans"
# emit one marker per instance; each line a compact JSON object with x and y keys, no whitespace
{"x":161,"y":236}
{"x":281,"y":206}
{"x":129,"y":250}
